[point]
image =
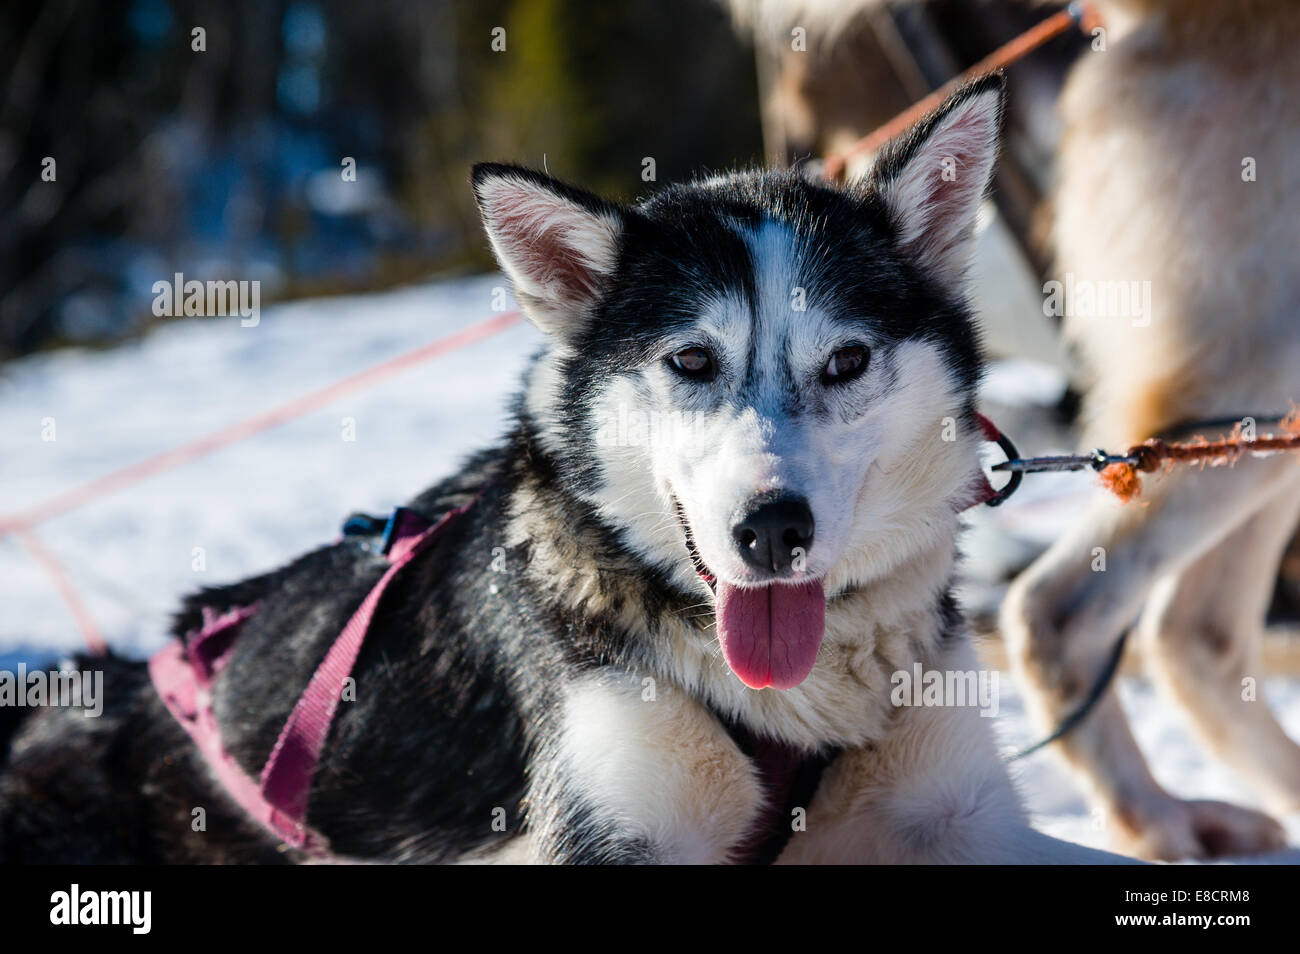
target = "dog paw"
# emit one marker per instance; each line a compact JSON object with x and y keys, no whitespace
{"x":1178,"y":830}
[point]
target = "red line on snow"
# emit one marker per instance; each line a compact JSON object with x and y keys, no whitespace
{"x":242,"y":430}
{"x":63,"y":586}
{"x":22,"y":524}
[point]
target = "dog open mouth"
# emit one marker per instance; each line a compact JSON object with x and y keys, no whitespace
{"x":771,"y":632}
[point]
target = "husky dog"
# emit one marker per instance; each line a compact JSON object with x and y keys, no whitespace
{"x":575,"y":670}
{"x":1177,"y":173}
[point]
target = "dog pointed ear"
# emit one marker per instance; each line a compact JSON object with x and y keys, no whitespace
{"x":558,"y":244}
{"x":932,"y":179}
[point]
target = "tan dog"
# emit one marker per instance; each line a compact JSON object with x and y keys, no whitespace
{"x":1179,"y":169}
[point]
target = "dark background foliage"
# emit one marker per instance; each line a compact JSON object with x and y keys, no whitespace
{"x":226,"y":163}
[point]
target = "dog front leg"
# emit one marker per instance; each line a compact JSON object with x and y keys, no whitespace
{"x":933,"y":790}
{"x":1202,"y":632}
{"x":637,"y":772}
{"x":1062,"y":615}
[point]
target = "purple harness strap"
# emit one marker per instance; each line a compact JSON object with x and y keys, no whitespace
{"x":183,"y":672}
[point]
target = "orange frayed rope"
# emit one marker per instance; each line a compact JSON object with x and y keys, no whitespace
{"x":1123,"y":480}
{"x":1121,"y":473}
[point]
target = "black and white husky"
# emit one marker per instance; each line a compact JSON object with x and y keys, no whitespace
{"x":723,"y":520}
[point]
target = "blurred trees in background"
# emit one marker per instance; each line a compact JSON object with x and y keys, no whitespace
{"x":228,"y":162}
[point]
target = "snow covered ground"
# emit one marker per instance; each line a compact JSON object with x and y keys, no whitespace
{"x":257,"y":503}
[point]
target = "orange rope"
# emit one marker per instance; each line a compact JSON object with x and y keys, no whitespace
{"x":63,"y":586}
{"x":21,"y":525}
{"x":241,"y":430}
{"x":1123,"y":479}
{"x":1003,"y":56}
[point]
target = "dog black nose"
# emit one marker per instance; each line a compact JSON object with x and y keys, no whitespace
{"x":774,"y":532}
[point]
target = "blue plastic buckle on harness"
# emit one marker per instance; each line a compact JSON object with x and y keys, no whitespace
{"x":386,"y":528}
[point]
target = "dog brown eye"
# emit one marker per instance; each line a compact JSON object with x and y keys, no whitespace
{"x":694,"y":363}
{"x":846,"y":363}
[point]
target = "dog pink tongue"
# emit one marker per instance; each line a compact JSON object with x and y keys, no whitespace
{"x":770,"y":634}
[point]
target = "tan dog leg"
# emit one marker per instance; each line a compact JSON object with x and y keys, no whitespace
{"x":1202,"y":632}
{"x":1065,"y":612}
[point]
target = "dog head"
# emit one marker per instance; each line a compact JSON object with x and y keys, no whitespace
{"x":761,"y":381}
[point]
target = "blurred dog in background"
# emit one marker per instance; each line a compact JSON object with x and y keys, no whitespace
{"x":1177,"y":168}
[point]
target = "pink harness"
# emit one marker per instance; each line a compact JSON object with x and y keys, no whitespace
{"x":184,"y":670}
